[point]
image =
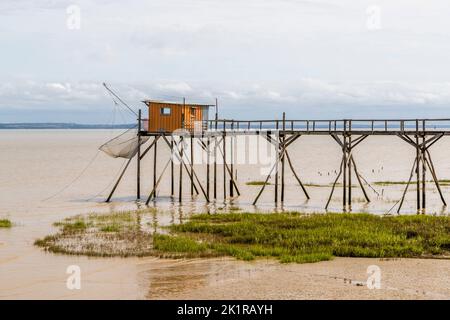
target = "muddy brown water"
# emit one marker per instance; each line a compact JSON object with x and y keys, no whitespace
{"x":37,"y":164}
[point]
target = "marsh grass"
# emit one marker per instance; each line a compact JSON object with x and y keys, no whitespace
{"x":5,"y":223}
{"x":443,"y":182}
{"x":256,"y":183}
{"x":327,"y":185}
{"x":295,"y":237}
{"x":288,"y":237}
{"x":116,"y":234}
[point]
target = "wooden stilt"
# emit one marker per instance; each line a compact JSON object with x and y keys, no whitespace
{"x":118,"y":180}
{"x":155,"y":161}
{"x":436,"y":180}
{"x":228,"y":169}
{"x":149,"y":147}
{"x":358,"y":177}
{"x":424,"y":169}
{"x":172,"y":169}
{"x":193,"y":174}
{"x":417,"y":167}
{"x":180,"y":175}
{"x":414,"y":166}
{"x":349,"y":148}
{"x":283,"y":140}
{"x":224,"y":152}
{"x":153,"y":192}
{"x":344,"y":178}
{"x":138,"y":158}
{"x":295,"y":174}
{"x":231,"y":161}
{"x":265,"y":183}
{"x":334,"y":183}
{"x":215,"y":167}
{"x":208,"y":153}
{"x":277,"y":150}
{"x":192,"y":164}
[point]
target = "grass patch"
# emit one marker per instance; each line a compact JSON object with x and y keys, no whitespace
{"x":5,"y":223}
{"x":108,"y":235}
{"x":288,"y":237}
{"x":301,"y":238}
{"x":256,"y":183}
{"x":443,"y":182}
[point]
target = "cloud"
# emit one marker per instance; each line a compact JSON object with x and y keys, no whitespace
{"x":307,"y":92}
{"x":314,"y":57}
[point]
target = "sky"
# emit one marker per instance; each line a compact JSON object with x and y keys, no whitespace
{"x":318,"y":59}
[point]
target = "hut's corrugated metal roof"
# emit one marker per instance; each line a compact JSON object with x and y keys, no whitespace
{"x":178,"y":103}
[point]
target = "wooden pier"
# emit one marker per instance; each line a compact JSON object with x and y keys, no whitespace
{"x":420,"y":134}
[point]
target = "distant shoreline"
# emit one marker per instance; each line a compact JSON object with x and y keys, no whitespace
{"x":50,"y":125}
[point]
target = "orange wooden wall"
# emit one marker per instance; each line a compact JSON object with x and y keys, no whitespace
{"x":168,"y":123}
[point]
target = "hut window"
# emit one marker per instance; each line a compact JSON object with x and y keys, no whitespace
{"x":192,"y":111}
{"x":165,"y":111}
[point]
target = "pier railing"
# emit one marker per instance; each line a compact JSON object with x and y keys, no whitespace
{"x":380,"y":126}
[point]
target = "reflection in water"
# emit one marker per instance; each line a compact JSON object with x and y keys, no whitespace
{"x":171,"y":277}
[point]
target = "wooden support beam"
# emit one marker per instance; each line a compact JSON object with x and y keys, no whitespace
{"x":208,"y":159}
{"x":344,"y":178}
{"x":193,"y":174}
{"x":155,"y":161}
{"x":172,"y":170}
{"x":349,"y":147}
{"x":283,"y":140}
{"x":424,"y":169}
{"x":149,"y":147}
{"x":224,"y":153}
{"x":215,"y":167}
{"x":153,"y":192}
{"x":358,"y":177}
{"x":180,"y":175}
{"x":118,"y":180}
{"x":433,"y":174}
{"x":335,"y":181}
{"x":276,"y":170}
{"x":184,"y":155}
{"x":228,"y":169}
{"x":295,"y":174}
{"x":231,"y":162}
{"x":407,"y":185}
{"x":138,"y":158}
{"x":418,"y":174}
{"x":192,"y":163}
{"x":268,"y":176}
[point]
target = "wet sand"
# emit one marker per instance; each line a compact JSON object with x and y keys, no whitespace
{"x":342,"y":278}
{"x":38,"y":164}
